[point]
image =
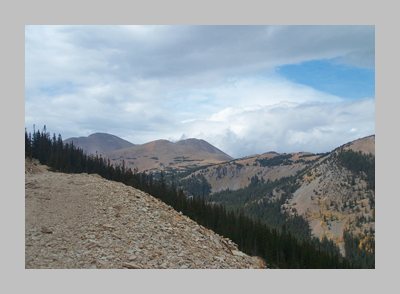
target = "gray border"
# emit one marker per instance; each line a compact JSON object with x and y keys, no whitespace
{"x":14,"y":16}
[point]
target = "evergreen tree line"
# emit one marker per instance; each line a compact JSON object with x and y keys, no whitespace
{"x":196,"y":186}
{"x":258,"y":202}
{"x":280,"y":249}
{"x":282,"y":159}
{"x":360,"y":163}
{"x":363,"y":255}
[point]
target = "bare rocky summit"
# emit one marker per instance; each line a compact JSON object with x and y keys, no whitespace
{"x":99,"y":143}
{"x":85,"y":221}
{"x":169,"y":156}
{"x":365,"y":145}
{"x":152,"y":156}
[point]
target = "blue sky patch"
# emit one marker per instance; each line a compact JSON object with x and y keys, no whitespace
{"x":332,"y":77}
{"x":233,"y":86}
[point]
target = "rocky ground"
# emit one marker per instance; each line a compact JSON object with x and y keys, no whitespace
{"x":333,"y":199}
{"x":237,"y":174}
{"x":84,"y":221}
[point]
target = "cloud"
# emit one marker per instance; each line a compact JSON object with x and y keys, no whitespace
{"x":218,"y":83}
{"x":313,"y":127}
{"x":85,"y":54}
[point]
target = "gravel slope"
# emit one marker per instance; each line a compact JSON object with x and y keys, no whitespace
{"x":84,"y":221}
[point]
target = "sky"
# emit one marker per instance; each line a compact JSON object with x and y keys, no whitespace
{"x":245,"y":89}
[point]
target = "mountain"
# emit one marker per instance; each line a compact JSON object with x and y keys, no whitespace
{"x":85,"y":221}
{"x":277,"y":249}
{"x":238,"y":173}
{"x":169,"y":156}
{"x":337,"y":193}
{"x":364,"y":145}
{"x":99,"y":142}
{"x":334,"y":193}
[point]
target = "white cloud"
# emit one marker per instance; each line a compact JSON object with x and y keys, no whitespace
{"x":213,"y":82}
{"x":86,"y":54}
{"x":315,"y":127}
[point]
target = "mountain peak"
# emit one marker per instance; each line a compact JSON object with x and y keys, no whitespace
{"x":191,"y":140}
{"x":100,"y":134}
{"x":163,"y":154}
{"x":99,"y":142}
{"x":201,"y":145}
{"x":365,"y":145}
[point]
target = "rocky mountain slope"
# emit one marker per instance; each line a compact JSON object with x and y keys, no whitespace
{"x":85,"y":221}
{"x":165,"y":155}
{"x":334,"y":192}
{"x":238,"y":173}
{"x":334,"y":198}
{"x":364,"y":145}
{"x":152,"y":156}
{"x":99,"y":142}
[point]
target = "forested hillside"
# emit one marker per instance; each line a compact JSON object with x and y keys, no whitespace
{"x":330,"y":196}
{"x":279,"y":248}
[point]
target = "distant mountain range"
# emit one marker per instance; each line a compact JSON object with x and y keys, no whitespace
{"x":99,"y":142}
{"x":152,"y":156}
{"x":333,"y":192}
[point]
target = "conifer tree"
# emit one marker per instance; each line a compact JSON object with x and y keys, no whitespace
{"x":278,"y":248}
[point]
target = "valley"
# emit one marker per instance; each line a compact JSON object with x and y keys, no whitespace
{"x":328,"y":196}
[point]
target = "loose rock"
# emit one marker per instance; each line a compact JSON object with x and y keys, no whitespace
{"x":71,"y":222}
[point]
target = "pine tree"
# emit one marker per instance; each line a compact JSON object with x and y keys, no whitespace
{"x":279,"y":248}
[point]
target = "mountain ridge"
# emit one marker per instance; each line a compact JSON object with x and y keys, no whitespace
{"x":166,"y":155}
{"x":330,"y":192}
{"x":335,"y":169}
{"x":155,"y":155}
{"x":99,"y":142}
{"x":85,"y":221}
